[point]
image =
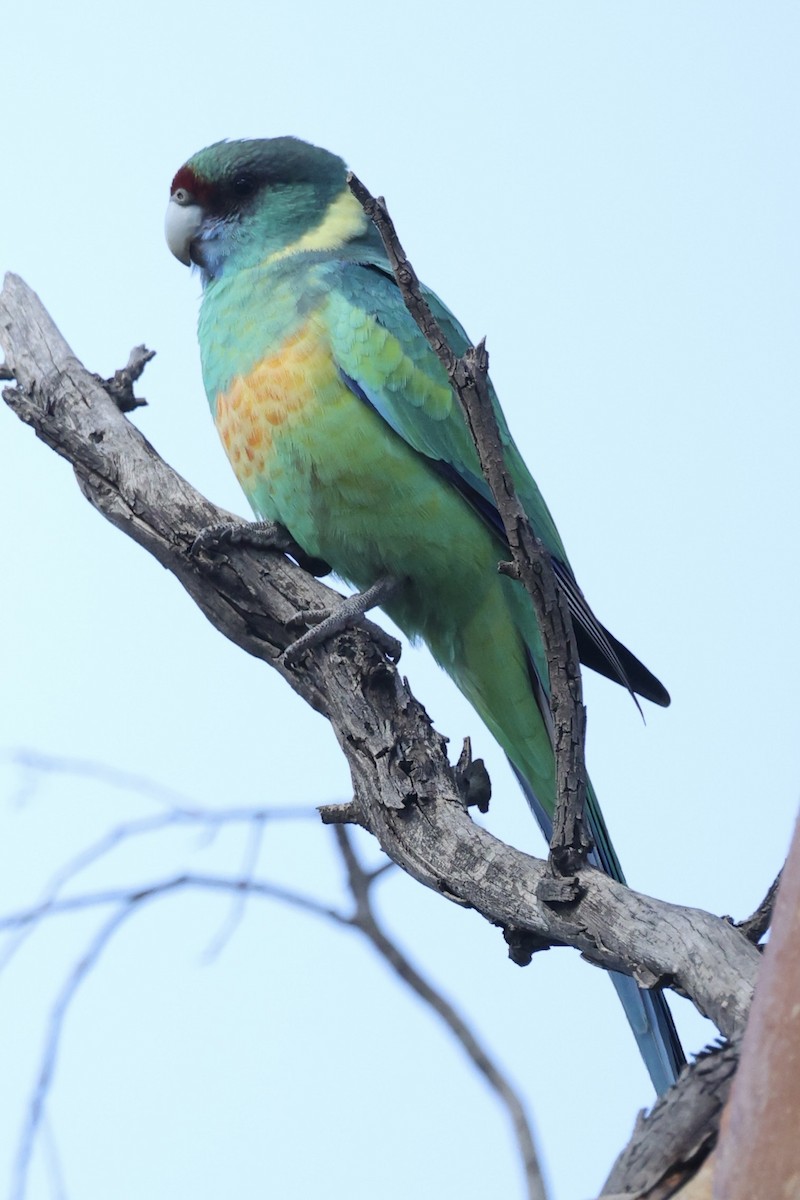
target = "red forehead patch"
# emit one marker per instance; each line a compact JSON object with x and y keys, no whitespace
{"x":185,"y":178}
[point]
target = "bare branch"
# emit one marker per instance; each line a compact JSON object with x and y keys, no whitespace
{"x":340,"y":814}
{"x":58,"y":1014}
{"x":468,"y":375}
{"x":125,"y":902}
{"x":52,"y":1160}
{"x":180,"y":808}
{"x":404,"y":790}
{"x":185,"y":882}
{"x":360,"y":882}
{"x":73,"y":867}
{"x":120,"y":385}
{"x":670,"y":1141}
{"x":58,"y":764}
{"x":236,"y":912}
{"x":364,"y":920}
{"x":180,"y":812}
{"x":755,"y":926}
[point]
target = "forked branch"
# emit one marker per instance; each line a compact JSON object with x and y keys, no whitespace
{"x":404,"y":789}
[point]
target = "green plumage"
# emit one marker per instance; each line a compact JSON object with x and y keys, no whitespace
{"x":341,"y":425}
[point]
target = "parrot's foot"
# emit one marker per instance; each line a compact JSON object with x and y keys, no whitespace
{"x":258,"y":535}
{"x":327,"y":622}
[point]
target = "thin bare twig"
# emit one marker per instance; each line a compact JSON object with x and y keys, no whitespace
{"x":363,"y":919}
{"x":255,"y":837}
{"x":183,"y":813}
{"x":187,"y":881}
{"x":468,"y":374}
{"x":74,"y":866}
{"x":125,"y":902}
{"x":360,"y":882}
{"x":60,"y":765}
{"x":53,"y":1161}
{"x":53,"y":1040}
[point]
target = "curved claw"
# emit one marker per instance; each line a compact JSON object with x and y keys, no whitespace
{"x":327,"y":622}
{"x":258,"y":535}
{"x":214,"y":537}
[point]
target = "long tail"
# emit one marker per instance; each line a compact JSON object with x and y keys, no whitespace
{"x":492,"y":649}
{"x":647,"y":1011}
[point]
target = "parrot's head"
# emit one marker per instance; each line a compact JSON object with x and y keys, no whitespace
{"x":239,"y":203}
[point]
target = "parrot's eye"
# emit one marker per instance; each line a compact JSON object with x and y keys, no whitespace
{"x":244,"y":185}
{"x":181,"y":196}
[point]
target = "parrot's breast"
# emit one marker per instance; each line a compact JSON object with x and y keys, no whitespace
{"x":273,"y":400}
{"x":314,"y":456}
{"x":311,"y":453}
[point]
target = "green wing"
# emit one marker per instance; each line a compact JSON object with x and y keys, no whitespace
{"x":380,"y":350}
{"x":387,"y":362}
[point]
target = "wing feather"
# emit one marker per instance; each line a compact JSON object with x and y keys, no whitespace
{"x":387,"y":363}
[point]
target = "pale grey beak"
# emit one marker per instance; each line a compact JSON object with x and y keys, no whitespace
{"x":181,"y":225}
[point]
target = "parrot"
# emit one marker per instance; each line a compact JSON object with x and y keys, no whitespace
{"x":343,"y":430}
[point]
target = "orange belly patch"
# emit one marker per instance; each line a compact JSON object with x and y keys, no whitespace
{"x":279,"y":390}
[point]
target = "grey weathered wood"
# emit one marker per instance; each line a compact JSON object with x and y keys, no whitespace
{"x":469,"y":376}
{"x":404,"y":790}
{"x":669,"y":1143}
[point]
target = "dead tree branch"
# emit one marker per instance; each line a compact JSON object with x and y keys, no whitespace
{"x":469,"y":376}
{"x":669,"y":1142}
{"x":35,"y":1114}
{"x":123,"y":902}
{"x":756,"y":925}
{"x":404,"y":791}
{"x":364,"y":918}
{"x":179,"y":812}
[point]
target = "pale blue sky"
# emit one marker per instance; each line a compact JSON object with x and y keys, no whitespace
{"x":609,"y":192}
